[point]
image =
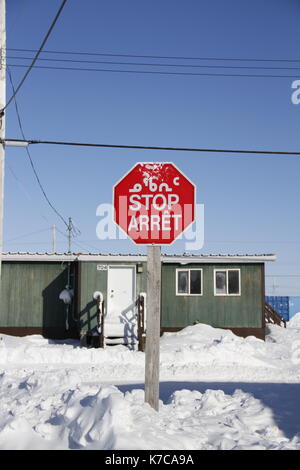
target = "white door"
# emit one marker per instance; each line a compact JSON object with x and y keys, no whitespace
{"x":121,"y":313}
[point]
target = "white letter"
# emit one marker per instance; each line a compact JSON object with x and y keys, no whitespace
{"x":133,"y":224}
{"x":164,"y":202}
{"x":166,"y":222}
{"x":147,"y":197}
{"x":155,"y":221}
{"x":172,"y":200}
{"x":105,"y":229}
{"x":177,"y":217}
{"x":137,"y":188}
{"x":152,"y":186}
{"x":166,"y":186}
{"x":144,"y":220}
{"x":296,"y":94}
{"x":137,"y":203}
{"x":198,"y":234}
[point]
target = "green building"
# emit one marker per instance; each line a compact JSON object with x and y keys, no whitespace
{"x":224,"y":291}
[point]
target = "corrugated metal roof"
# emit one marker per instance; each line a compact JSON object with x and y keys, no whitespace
{"x":175,"y":258}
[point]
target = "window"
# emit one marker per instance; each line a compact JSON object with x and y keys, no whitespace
{"x":189,"y":282}
{"x":182,"y":282}
{"x":227,"y":281}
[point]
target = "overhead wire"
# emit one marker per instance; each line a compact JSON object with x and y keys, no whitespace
{"x":282,"y":275}
{"x":29,"y":155}
{"x":22,"y":186}
{"x":80,"y":244}
{"x":151,"y":147}
{"x":35,"y":57}
{"x":239,"y":59}
{"x":28,"y":234}
{"x":248,"y":67}
{"x":155,"y":72}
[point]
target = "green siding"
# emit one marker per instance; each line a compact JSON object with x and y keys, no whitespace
{"x":219,"y":311}
{"x":30,"y":294}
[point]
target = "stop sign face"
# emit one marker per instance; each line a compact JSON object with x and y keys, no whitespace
{"x":154,"y":203}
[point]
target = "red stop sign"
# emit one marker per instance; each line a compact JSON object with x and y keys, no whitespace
{"x":154,"y":203}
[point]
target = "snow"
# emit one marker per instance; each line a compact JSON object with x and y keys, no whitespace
{"x":294,"y":321}
{"x":217,"y":390}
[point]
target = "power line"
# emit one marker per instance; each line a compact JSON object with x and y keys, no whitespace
{"x":282,"y":275}
{"x":147,"y":147}
{"x":27,"y":235}
{"x":28,"y":153}
{"x":79,"y":243}
{"x":155,"y":72}
{"x":32,"y":243}
{"x":23,"y":187}
{"x":255,"y":241}
{"x":85,"y":246}
{"x":36,"y":56}
{"x":239,"y":59}
{"x":248,"y":67}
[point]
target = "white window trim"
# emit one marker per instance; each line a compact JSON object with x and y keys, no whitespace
{"x":227,"y":294}
{"x":189,"y":284}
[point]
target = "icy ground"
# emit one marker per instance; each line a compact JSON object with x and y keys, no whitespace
{"x":218,"y":391}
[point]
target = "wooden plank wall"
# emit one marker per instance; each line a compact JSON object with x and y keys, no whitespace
{"x":30,"y":294}
{"x":243,"y":311}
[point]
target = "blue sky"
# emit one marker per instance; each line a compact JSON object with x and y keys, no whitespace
{"x":251,"y":202}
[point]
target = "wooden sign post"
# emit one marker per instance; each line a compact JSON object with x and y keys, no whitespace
{"x":153,"y":204}
{"x":153,"y":326}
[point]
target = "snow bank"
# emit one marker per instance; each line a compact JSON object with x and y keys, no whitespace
{"x":51,"y":411}
{"x":203,"y":344}
{"x":199,"y":350}
{"x":35,"y":349}
{"x":199,"y":344}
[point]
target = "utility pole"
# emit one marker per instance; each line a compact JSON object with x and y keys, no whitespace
{"x":69,"y":235}
{"x":274,"y":287}
{"x":2,"y":117}
{"x":53,"y":239}
{"x":153,"y":326}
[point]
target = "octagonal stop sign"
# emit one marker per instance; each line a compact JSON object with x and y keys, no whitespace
{"x":154,"y":203}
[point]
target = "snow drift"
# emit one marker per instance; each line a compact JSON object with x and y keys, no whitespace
{"x":40,"y":415}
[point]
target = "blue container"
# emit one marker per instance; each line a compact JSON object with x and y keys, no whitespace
{"x":294,"y":305}
{"x":280,"y":304}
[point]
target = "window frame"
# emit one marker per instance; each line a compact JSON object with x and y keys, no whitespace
{"x":188,"y":294}
{"x":227,"y":282}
